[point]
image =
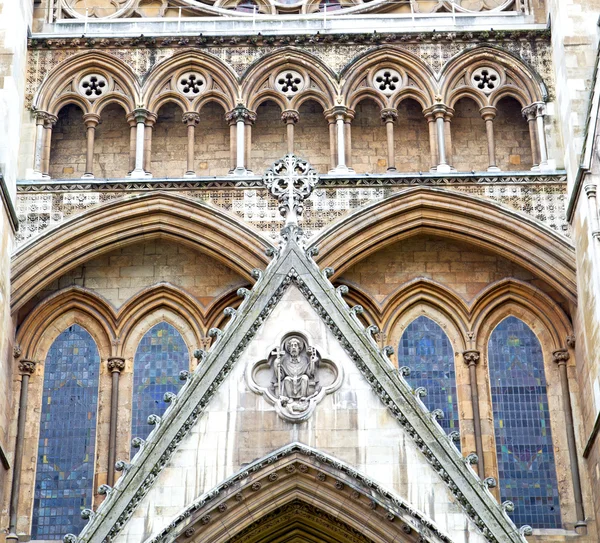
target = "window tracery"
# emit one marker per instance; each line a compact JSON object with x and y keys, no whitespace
{"x":67,"y":441}
{"x":524,"y":446}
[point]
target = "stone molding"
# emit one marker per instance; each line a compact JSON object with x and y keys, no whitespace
{"x":27,"y":367}
{"x":115,"y":364}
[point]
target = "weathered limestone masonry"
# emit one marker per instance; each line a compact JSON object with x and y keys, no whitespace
{"x":575,"y":44}
{"x":14,"y":18}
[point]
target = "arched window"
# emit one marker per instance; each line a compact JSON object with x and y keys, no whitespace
{"x":522,"y":425}
{"x":64,"y":480}
{"x":159,"y":358}
{"x":427,"y":351}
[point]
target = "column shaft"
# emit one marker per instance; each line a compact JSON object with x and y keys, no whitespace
{"x":348,"y":142}
{"x":432,"y":142}
{"x":561,"y":357}
{"x":148,"y":148}
{"x":89,"y":155}
{"x":190,"y":149}
{"x":332,"y":143}
{"x":541,"y":137}
{"x":115,"y":366}
{"x":471,"y":358}
{"x":39,"y":146}
{"x":439,"y":124}
{"x":27,"y":367}
{"x":132,"y":136}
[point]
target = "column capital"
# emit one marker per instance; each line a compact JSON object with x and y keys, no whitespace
{"x":27,"y":367}
{"x":560,"y":356}
{"x":50,"y":120}
{"x":42,"y":117}
{"x":290,"y":116}
{"x":339,"y":112}
{"x":191,"y":118}
{"x":471,"y":357}
{"x":91,"y":120}
{"x":140,"y":114}
{"x":488,"y":113}
{"x":389,"y":115}
{"x":115,"y":364}
{"x":437,"y":111}
{"x":240,"y":113}
{"x":530,"y":112}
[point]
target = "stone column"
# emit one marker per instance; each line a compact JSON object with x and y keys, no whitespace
{"x":140,"y":116}
{"x":239,"y":115}
{"x":471,"y":359}
{"x":26,"y":368}
{"x":191,"y":119}
{"x":115,"y":366}
{"x":40,"y":119}
{"x":448,"y":135}
{"x":529,"y":113}
{"x":439,"y":113}
{"x":91,"y":121}
{"x":49,"y":122}
{"x":541,"y":134}
{"x":290,"y":117}
{"x":561,"y":357}
{"x":389,"y":116}
{"x":332,"y":141}
{"x":339,"y":114}
{"x":149,"y":127}
{"x":132,"y":136}
{"x":248,"y":124}
{"x":348,"y":118}
{"x":432,"y":140}
{"x":488,"y":114}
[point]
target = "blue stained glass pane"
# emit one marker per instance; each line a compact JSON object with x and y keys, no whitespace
{"x":426,"y":350}
{"x":66,"y":450}
{"x":159,"y":358}
{"x":522,"y":425}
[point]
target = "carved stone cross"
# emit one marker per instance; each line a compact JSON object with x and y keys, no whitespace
{"x":291,"y":180}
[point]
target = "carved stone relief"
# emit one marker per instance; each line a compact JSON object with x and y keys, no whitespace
{"x":294,"y":377}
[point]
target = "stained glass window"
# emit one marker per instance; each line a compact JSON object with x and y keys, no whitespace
{"x":426,"y":350}
{"x":522,"y":425}
{"x":66,"y":450}
{"x":159,"y":358}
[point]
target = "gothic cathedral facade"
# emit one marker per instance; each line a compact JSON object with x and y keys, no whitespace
{"x":299,"y":271}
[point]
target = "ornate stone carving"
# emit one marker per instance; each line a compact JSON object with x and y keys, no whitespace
{"x":291,"y":180}
{"x":191,"y":84}
{"x":290,"y":82}
{"x":471,"y":357}
{"x":93,"y":86}
{"x":115,"y":364}
{"x":561,"y":356}
{"x":290,"y":116}
{"x":27,"y":366}
{"x":387,"y":80}
{"x":190,"y":118}
{"x":485,"y":79}
{"x":294,"y":377}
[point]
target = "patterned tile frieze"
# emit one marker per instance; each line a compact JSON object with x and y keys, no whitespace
{"x":142,"y":55}
{"x":43,"y":206}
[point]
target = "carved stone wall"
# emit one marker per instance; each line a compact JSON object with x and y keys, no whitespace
{"x":41,"y":207}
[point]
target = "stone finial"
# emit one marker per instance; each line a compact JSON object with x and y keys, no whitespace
{"x":291,"y":180}
{"x":471,"y":358}
{"x":115,"y":364}
{"x":560,"y":356}
{"x":27,"y":367}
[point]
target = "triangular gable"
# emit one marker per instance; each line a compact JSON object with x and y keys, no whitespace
{"x":293,"y":266}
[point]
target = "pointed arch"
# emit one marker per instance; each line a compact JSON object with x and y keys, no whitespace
{"x":258,"y":80}
{"x":126,"y":221}
{"x":220,"y":82}
{"x":306,"y":479}
{"x":416,"y":78}
{"x":483,"y":223}
{"x":516,"y":78}
{"x":60,"y":86}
